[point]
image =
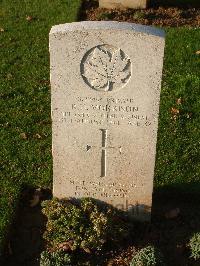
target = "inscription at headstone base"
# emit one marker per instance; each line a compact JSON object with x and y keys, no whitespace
{"x":121,"y":4}
{"x":106,"y":79}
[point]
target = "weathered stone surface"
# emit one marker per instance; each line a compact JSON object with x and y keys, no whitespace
{"x":135,"y":4}
{"x":105,"y":79}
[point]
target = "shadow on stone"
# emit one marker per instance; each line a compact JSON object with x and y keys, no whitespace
{"x":138,"y":212}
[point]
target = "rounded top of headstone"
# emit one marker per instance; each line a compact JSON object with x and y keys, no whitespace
{"x":107,"y":25}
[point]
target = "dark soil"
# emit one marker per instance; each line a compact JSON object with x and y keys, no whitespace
{"x":157,"y":16}
{"x":169,"y":230}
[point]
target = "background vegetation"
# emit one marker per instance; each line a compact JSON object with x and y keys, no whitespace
{"x":25,"y":123}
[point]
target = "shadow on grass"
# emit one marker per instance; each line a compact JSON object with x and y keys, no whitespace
{"x":177,"y":3}
{"x":25,"y":241}
{"x":86,"y":5}
{"x":171,"y":235}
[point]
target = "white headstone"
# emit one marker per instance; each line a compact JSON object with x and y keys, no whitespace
{"x":106,"y":79}
{"x":135,"y":4}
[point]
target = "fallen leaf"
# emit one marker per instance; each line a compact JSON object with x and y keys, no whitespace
{"x":35,"y":201}
{"x":66,"y":246}
{"x":179,"y":101}
{"x":38,"y":136}
{"x":2,"y":30}
{"x":175,"y":111}
{"x":45,"y":82}
{"x":9,"y":76}
{"x":198,"y":52}
{"x":111,"y":262}
{"x":23,"y":136}
{"x":36,"y":198}
{"x":172,"y":213}
{"x":29,"y":18}
{"x":87,"y":250}
{"x":189,"y":115}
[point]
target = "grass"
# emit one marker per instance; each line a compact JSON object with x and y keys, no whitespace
{"x":178,"y":152}
{"x":25,"y":102}
{"x":25,"y":123}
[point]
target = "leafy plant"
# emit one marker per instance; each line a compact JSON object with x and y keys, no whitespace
{"x":106,"y":16}
{"x":138,"y":15}
{"x":58,"y":258}
{"x":82,"y":225}
{"x":148,"y":256}
{"x":194,"y":245}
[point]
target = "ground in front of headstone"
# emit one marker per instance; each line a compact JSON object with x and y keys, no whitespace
{"x":157,"y":16}
{"x":175,"y":218}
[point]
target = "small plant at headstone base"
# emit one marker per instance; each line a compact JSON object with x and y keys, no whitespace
{"x":57,"y":258}
{"x":194,"y":246}
{"x":84,"y":225}
{"x":148,"y":256}
{"x":106,"y":15}
{"x":138,"y":15}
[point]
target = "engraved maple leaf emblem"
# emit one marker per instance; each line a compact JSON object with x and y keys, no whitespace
{"x":106,"y":68}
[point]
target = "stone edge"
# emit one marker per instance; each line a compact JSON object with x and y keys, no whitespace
{"x":106,"y":25}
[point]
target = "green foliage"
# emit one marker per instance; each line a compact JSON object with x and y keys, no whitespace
{"x":194,"y":245}
{"x":57,"y":258}
{"x":138,"y":15}
{"x":106,"y":15}
{"x":149,"y":256}
{"x":83,"y":225}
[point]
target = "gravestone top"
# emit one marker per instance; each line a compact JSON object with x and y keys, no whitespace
{"x":105,"y":83}
{"x":123,"y":4}
{"x":106,"y":25}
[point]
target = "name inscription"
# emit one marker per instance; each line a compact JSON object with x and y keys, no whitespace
{"x":95,"y":111}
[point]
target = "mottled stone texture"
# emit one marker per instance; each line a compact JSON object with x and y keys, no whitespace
{"x":105,"y":87}
{"x":135,"y":4}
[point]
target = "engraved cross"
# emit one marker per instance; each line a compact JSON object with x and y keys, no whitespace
{"x":104,"y":148}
